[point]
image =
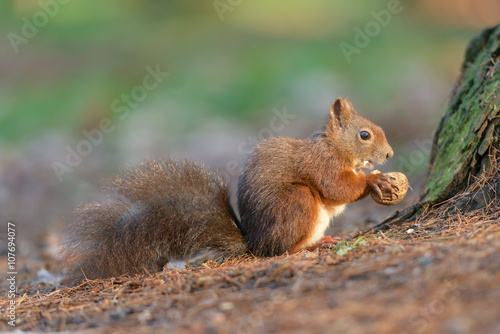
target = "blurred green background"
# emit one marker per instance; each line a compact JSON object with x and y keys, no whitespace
{"x":65,"y":65}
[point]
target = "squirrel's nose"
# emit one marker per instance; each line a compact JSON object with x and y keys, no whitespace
{"x":390,"y":153}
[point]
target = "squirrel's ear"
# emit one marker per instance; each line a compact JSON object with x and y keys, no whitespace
{"x":341,"y":110}
{"x":349,"y":106}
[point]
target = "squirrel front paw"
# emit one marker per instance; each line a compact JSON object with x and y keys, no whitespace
{"x":400,"y":185}
{"x":380,"y":182}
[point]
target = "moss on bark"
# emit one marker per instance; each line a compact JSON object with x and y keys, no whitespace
{"x":468,"y":130}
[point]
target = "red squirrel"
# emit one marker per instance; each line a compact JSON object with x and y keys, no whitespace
{"x":288,"y":192}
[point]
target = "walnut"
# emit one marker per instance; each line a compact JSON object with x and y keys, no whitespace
{"x":390,"y":198}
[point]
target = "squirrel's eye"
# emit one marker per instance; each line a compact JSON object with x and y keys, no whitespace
{"x":365,"y":135}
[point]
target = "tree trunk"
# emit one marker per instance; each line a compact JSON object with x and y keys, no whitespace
{"x":469,"y":130}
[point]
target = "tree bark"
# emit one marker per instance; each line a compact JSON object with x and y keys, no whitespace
{"x":469,"y":129}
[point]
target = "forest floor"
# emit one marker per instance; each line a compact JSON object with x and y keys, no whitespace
{"x":437,"y":274}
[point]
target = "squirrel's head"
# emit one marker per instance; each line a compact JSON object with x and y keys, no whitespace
{"x":363,"y":143}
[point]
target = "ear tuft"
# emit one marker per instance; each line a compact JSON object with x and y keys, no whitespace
{"x":349,"y":106}
{"x":341,"y":110}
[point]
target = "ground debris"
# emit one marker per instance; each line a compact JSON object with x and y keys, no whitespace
{"x":443,"y":277}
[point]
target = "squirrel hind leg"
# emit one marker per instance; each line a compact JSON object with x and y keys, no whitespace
{"x":285,"y":228}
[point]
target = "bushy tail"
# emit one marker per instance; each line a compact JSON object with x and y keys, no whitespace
{"x":157,"y":212}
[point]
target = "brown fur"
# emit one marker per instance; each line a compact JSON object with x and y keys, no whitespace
{"x":285,"y":179}
{"x":165,"y":210}
{"x":155,"y":213}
